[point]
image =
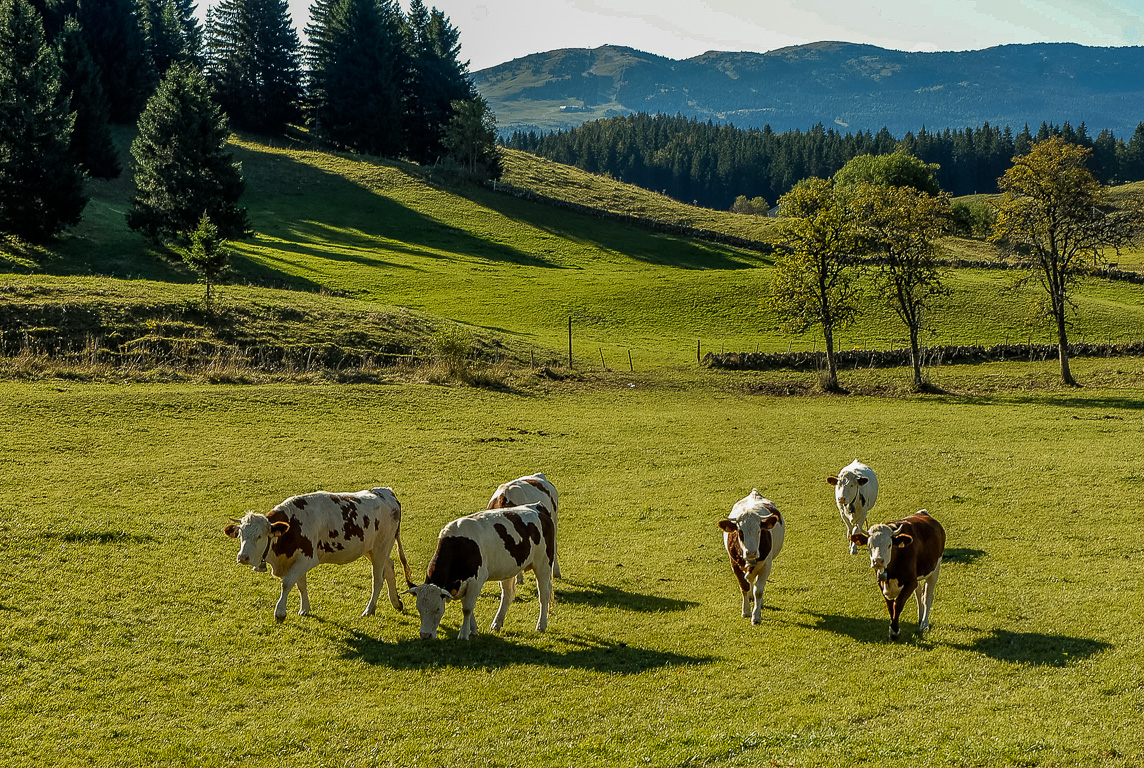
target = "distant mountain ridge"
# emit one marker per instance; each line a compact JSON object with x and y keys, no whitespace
{"x":847,"y":86}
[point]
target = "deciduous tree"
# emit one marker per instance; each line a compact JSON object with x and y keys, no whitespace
{"x":471,"y":138}
{"x":815,"y":277}
{"x":901,"y":226}
{"x":1055,"y":213}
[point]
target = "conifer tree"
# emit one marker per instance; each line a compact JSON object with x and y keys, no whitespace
{"x":41,"y":186}
{"x":357,"y":71}
{"x":182,"y":165}
{"x":207,"y":254}
{"x":91,"y":143}
{"x":115,"y":38}
{"x":254,"y":62}
{"x":166,"y":35}
{"x":436,"y":79}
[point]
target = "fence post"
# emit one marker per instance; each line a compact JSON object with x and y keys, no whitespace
{"x":569,"y":342}
{"x":697,"y":350}
{"x":631,"y":367}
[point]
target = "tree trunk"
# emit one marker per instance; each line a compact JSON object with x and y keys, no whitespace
{"x":915,"y":359}
{"x":831,"y":383}
{"x":1063,"y":347}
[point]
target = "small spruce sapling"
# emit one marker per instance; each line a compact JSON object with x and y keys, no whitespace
{"x":208,"y":254}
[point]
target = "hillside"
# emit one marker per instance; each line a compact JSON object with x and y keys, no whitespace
{"x":843,"y":85}
{"x":373,"y":257}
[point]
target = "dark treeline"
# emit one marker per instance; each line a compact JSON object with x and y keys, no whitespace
{"x":712,"y":164}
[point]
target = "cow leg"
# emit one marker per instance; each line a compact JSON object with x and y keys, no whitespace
{"x":304,"y":593}
{"x":293,"y":576}
{"x":378,"y":568}
{"x":759,"y":588}
{"x":744,"y":587}
{"x":925,"y":595}
{"x":391,"y":582}
{"x":544,"y":592}
{"x":895,"y":607}
{"x":850,"y":529}
{"x":469,"y":618}
{"x":507,"y":592}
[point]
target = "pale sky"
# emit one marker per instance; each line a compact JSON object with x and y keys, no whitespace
{"x":496,"y":31}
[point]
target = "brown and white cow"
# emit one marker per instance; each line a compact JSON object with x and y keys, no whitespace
{"x":855,"y":491}
{"x":494,"y":544}
{"x":305,"y":531}
{"x":530,"y":489}
{"x":906,"y":555}
{"x":753,"y":534}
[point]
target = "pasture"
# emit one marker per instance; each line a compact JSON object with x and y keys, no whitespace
{"x":130,"y":637}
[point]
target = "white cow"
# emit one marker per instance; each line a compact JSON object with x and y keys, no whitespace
{"x":305,"y":531}
{"x":855,"y":491}
{"x":494,"y":544}
{"x":753,"y":534}
{"x":529,"y":490}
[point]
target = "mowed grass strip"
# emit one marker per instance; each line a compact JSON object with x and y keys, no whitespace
{"x":129,"y":636}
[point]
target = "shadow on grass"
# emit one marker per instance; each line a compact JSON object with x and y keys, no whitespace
{"x":1034,"y":649}
{"x":864,"y":629}
{"x":489,"y":651}
{"x":961,"y":556}
{"x":599,"y":595}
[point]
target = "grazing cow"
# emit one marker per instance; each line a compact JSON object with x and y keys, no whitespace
{"x":906,"y":555}
{"x":494,"y":544}
{"x":855,"y":491}
{"x":529,"y":490}
{"x":322,"y":527}
{"x":753,"y":534}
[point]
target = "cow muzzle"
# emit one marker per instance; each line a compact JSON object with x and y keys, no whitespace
{"x":428,"y":635}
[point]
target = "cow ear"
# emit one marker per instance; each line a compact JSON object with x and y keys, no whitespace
{"x":231,"y":531}
{"x":728,"y":525}
{"x":277,"y":529}
{"x":860,"y":539}
{"x":902,"y":540}
{"x":770,"y":522}
{"x":832,"y":480}
{"x":863,"y":480}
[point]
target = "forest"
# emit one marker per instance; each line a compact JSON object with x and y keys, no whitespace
{"x":712,"y":164}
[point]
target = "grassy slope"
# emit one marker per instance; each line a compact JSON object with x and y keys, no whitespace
{"x":130,"y":637}
{"x":379,"y":234}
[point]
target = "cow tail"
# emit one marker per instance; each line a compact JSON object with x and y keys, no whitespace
{"x":404,"y":562}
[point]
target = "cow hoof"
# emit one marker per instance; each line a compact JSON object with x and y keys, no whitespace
{"x":280,"y":619}
{"x":757,"y":621}
{"x":853,"y":549}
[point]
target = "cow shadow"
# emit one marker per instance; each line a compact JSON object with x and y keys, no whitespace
{"x":961,"y":556}
{"x":489,"y":652}
{"x":864,"y":629}
{"x":1034,"y":649}
{"x":99,"y":537}
{"x":602,"y":595}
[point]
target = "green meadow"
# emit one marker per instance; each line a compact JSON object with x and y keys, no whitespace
{"x":130,"y":637}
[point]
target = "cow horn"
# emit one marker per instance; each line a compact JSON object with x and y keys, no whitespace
{"x":234,"y":520}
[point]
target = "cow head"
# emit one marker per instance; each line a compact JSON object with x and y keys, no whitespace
{"x":255,"y":533}
{"x":846,"y":485}
{"x":750,"y":526}
{"x":431,"y":601}
{"x":882,"y":541}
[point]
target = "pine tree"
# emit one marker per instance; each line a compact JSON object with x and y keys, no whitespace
{"x":182,"y":165}
{"x":114,"y":36}
{"x":357,"y":70}
{"x":254,"y":62}
{"x":165,"y":33}
{"x":41,"y":186}
{"x":436,"y":79}
{"x":207,"y":254}
{"x":91,"y":143}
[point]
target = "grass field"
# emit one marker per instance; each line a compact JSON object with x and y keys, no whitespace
{"x":129,"y":636}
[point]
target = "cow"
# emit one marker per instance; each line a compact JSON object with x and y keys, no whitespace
{"x":906,"y":554}
{"x":529,"y":490}
{"x":753,"y":535}
{"x":321,"y":527}
{"x":855,"y":491}
{"x":494,"y":544}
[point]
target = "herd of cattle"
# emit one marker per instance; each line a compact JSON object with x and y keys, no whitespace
{"x":517,"y":532}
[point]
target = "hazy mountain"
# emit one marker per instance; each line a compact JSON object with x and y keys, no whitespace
{"x":843,"y":85}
